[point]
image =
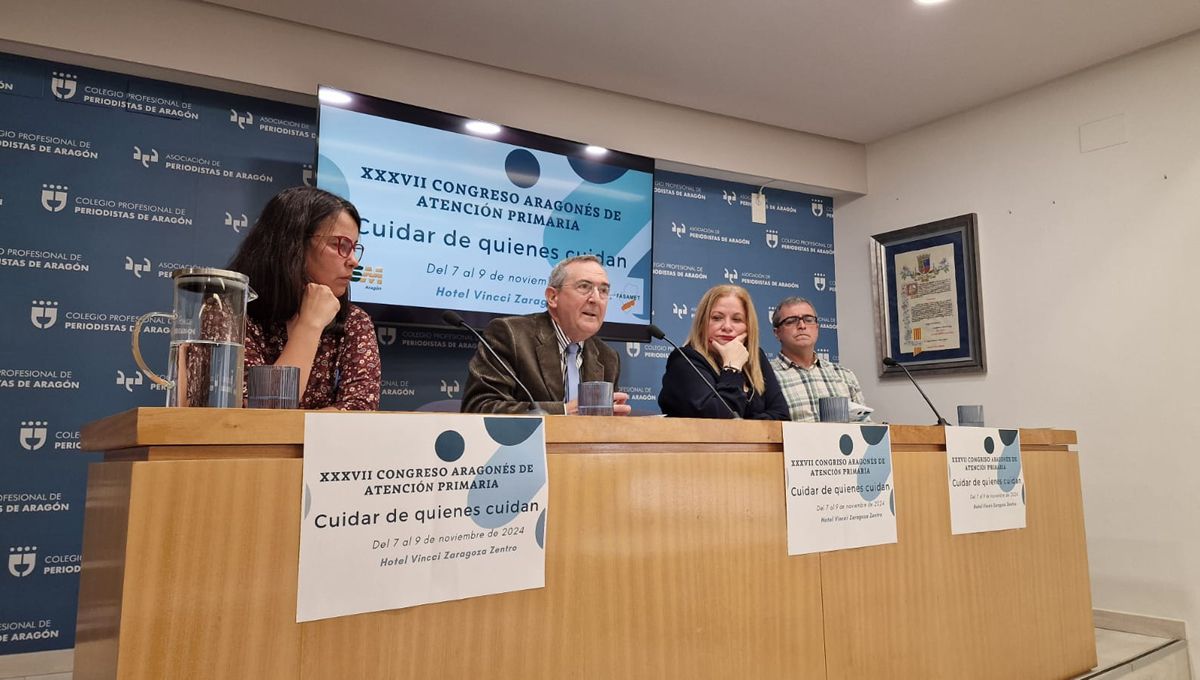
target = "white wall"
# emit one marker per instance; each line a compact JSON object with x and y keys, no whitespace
{"x":216,"y":41}
{"x":1088,"y":265}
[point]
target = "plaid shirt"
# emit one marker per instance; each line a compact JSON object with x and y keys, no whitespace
{"x":804,"y":387}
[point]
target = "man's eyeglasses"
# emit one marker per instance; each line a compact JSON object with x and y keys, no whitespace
{"x":586,"y":288}
{"x":345,"y":246}
{"x":792,"y":321}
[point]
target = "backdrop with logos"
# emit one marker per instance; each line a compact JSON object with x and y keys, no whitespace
{"x":109,"y":182}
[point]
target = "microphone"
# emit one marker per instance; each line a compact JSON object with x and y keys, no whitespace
{"x":453,"y":318}
{"x":657,"y":334}
{"x":888,"y":361}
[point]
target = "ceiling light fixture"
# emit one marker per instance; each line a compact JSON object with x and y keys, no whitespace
{"x":482,"y":127}
{"x":593,"y":150}
{"x":929,"y":2}
{"x":332,"y":96}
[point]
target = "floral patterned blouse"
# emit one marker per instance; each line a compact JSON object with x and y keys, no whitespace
{"x":345,"y":374}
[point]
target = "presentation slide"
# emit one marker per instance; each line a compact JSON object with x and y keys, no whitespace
{"x":455,"y":220}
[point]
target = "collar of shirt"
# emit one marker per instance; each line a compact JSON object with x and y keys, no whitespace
{"x":785,"y":363}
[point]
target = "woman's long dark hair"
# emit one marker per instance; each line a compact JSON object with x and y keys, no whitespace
{"x":273,"y":253}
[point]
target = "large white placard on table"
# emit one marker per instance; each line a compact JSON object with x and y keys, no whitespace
{"x":987,"y":484}
{"x":839,"y":486}
{"x":408,"y":509}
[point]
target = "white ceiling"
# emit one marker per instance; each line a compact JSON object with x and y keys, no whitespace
{"x":859,"y":70}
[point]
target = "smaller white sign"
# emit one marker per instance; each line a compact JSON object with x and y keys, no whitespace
{"x":839,"y":486}
{"x":987,"y":482}
{"x":408,"y":509}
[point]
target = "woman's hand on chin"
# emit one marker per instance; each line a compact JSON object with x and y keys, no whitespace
{"x":317,"y":309}
{"x":733,"y":353}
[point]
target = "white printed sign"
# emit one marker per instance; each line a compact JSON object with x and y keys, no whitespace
{"x":987,"y":484}
{"x":408,"y":509}
{"x":839,"y":486}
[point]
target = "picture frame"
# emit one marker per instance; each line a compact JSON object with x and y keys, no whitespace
{"x":926,"y":296}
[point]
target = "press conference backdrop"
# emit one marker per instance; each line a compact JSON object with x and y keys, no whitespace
{"x":109,"y":182}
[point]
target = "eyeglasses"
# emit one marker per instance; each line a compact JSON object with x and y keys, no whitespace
{"x":586,"y":288}
{"x":345,"y":246}
{"x":792,"y":321}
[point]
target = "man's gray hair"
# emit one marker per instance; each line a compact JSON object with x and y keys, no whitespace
{"x":558,"y":275}
{"x":787,"y":301}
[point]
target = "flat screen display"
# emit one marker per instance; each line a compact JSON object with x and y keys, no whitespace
{"x":474,"y":221}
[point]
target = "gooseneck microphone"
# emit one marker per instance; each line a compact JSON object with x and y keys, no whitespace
{"x":453,"y":318}
{"x":657,"y":334}
{"x":888,"y":361}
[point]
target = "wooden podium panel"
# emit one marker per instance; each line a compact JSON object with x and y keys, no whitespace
{"x":999,"y":604}
{"x":657,"y":566}
{"x":666,"y":557}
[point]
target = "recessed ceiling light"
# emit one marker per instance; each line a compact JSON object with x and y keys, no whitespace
{"x":482,"y":127}
{"x":594,"y":150}
{"x":929,"y":2}
{"x":332,"y":96}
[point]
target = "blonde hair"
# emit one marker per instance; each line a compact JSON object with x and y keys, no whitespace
{"x":698,"y":340}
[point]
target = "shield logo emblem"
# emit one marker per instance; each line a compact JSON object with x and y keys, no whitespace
{"x":21,"y":563}
{"x":43,"y":314}
{"x":307,"y":176}
{"x":633,"y":349}
{"x":818,"y":208}
{"x":63,"y":85}
{"x":923,"y":263}
{"x":772,"y":239}
{"x":33,"y":435}
{"x":819,"y":281}
{"x":386,"y":335}
{"x":54,"y":197}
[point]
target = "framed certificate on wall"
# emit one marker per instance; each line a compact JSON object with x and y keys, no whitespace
{"x":926,"y":296}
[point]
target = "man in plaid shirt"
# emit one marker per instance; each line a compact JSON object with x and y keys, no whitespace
{"x":803,"y":376}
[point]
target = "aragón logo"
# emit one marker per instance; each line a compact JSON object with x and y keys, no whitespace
{"x":54,"y":197}
{"x":63,"y":85}
{"x":32,"y":434}
{"x":679,"y":311}
{"x":386,"y":335}
{"x":129,"y":382}
{"x":728,"y":196}
{"x":145,"y":158}
{"x":731,"y":276}
{"x":236,"y":222}
{"x":368,"y":276}
{"x":137,"y":268}
{"x":633,"y":349}
{"x":43,"y":313}
{"x":450,"y":390}
{"x":241,"y":120}
{"x":679,"y":229}
{"x":21,"y":560}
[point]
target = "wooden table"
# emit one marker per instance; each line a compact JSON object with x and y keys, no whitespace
{"x":666,"y":558}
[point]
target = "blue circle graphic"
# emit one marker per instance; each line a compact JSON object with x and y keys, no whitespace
{"x":511,"y":431}
{"x":846,"y":444}
{"x":596,"y":173}
{"x":523,"y":168}
{"x":989,"y":445}
{"x":450,"y":446}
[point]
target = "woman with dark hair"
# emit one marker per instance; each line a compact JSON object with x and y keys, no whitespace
{"x":729,"y":375}
{"x":299,"y":257}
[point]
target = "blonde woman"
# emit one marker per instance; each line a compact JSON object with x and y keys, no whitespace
{"x":729,"y":376}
